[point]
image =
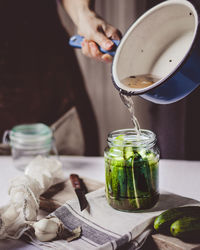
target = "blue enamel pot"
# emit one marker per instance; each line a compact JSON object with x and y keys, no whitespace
{"x":164,"y":42}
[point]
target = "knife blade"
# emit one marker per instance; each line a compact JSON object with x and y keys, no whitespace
{"x":80,"y":190}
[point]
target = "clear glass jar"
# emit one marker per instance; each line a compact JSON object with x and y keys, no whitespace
{"x":131,"y":170}
{"x":28,"y":141}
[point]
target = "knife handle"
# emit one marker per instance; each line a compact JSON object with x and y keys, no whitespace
{"x":75,"y":180}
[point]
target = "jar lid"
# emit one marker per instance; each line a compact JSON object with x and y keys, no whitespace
{"x":130,"y":137}
{"x":28,"y":135}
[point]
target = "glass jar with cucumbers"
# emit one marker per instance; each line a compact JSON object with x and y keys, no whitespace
{"x":131,"y":169}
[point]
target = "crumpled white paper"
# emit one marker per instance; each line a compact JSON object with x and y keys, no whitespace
{"x":24,"y":191}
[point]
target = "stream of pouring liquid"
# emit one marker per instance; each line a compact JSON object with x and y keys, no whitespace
{"x":137,"y":82}
{"x":128,"y":101}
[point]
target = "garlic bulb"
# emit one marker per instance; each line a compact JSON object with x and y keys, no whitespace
{"x":51,"y":228}
{"x":48,"y":229}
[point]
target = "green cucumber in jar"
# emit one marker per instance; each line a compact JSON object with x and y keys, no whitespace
{"x":115,"y":182}
{"x":128,"y":153}
{"x":130,"y":177}
{"x":122,"y":178}
{"x":116,"y":165}
{"x":132,"y":193}
{"x":131,"y":184}
{"x":152,"y":170}
{"x":129,"y":158}
{"x":142,"y":175}
{"x":153,"y":165}
{"x":108,"y":175}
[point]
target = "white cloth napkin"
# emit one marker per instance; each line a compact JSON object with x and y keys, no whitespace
{"x":25,"y":190}
{"x":106,"y":228}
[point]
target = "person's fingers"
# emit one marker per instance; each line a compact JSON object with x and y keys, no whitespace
{"x":85,"y":47}
{"x":105,"y":32}
{"x":96,"y":33}
{"x":96,"y":54}
{"x":112,"y":32}
{"x":107,"y":58}
{"x":90,"y":49}
{"x":104,"y":42}
{"x":94,"y":50}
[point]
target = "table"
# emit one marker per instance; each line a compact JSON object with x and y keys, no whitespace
{"x":180,"y":177}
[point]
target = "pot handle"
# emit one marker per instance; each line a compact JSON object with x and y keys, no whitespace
{"x":76,"y":40}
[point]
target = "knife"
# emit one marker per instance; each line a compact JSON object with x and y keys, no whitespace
{"x":80,"y":190}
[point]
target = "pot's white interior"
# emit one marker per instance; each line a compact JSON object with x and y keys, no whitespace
{"x":156,"y":43}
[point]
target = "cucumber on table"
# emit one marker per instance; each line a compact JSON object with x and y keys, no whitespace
{"x":186,"y":228}
{"x":164,"y":220}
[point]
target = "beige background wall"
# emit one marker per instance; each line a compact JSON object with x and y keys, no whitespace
{"x":110,"y":112}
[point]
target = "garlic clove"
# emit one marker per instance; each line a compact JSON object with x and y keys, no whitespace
{"x":48,"y":228}
{"x":55,"y":219}
{"x":46,"y":225}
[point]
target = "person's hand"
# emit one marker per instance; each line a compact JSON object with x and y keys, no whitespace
{"x":97,"y":33}
{"x":95,"y":30}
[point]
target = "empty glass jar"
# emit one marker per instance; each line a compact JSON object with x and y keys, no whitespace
{"x":28,"y":141}
{"x":131,"y":169}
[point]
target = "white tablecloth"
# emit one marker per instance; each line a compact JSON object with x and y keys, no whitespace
{"x":180,"y":177}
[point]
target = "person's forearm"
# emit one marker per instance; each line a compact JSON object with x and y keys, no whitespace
{"x":75,"y":8}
